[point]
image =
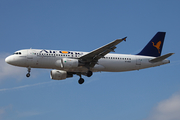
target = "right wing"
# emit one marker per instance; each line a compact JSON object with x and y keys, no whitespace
{"x":92,"y":57}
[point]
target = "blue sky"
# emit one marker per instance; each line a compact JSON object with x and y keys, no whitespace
{"x":149,"y":94}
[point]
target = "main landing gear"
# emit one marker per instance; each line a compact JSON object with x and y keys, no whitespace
{"x":88,"y":74}
{"x":81,"y":81}
{"x":29,"y":70}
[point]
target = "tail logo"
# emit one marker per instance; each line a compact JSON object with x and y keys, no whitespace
{"x":158,"y":44}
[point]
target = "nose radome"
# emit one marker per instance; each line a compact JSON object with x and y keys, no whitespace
{"x":13,"y":60}
{"x":7,"y":60}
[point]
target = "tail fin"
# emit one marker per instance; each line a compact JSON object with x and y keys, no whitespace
{"x":154,"y":47}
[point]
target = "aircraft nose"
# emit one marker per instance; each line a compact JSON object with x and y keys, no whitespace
{"x":8,"y":60}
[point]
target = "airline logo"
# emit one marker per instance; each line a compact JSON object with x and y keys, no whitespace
{"x":64,"y":52}
{"x":158,"y":44}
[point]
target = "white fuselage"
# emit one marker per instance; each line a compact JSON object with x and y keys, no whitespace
{"x":36,"y":58}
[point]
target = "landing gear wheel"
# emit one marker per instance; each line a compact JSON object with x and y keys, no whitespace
{"x":28,"y":75}
{"x":81,"y":81}
{"x":89,"y":73}
{"x":29,"y":70}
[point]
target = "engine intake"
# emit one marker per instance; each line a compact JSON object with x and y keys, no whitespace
{"x":60,"y":75}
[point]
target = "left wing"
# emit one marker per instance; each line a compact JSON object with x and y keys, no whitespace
{"x":92,"y":57}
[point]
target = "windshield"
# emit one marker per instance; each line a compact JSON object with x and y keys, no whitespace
{"x":17,"y":53}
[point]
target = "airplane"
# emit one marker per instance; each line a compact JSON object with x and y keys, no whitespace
{"x":65,"y":64}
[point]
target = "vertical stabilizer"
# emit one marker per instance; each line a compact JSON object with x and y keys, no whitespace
{"x":154,"y":47}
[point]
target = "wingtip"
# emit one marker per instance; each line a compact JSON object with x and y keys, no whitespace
{"x":124,"y":38}
{"x":171,"y":53}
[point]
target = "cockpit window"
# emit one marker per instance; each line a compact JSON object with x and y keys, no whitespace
{"x":17,"y":53}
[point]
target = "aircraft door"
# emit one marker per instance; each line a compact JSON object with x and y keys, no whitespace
{"x":138,"y":63}
{"x":30,"y":58}
{"x":29,"y":54}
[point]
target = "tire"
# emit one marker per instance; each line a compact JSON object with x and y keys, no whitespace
{"x":81,"y":81}
{"x":89,"y":73}
{"x":28,"y":75}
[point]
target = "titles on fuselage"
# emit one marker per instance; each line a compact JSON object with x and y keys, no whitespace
{"x":62,"y":52}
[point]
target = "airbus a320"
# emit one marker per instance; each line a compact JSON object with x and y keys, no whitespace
{"x":65,"y":64}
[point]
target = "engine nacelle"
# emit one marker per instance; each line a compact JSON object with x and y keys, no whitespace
{"x":69,"y":63}
{"x":59,"y":75}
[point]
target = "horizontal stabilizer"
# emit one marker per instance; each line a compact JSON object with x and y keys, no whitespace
{"x":161,"y":58}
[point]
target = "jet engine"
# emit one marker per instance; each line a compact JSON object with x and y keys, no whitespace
{"x":60,"y":74}
{"x":67,"y":63}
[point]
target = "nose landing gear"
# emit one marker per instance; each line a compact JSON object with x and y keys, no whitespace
{"x":29,"y":70}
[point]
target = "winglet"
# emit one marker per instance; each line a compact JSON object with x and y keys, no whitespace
{"x":124,"y":38}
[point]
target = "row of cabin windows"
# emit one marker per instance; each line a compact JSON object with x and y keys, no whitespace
{"x":52,"y":54}
{"x":118,"y":58}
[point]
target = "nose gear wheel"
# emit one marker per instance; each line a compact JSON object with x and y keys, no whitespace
{"x":28,"y":74}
